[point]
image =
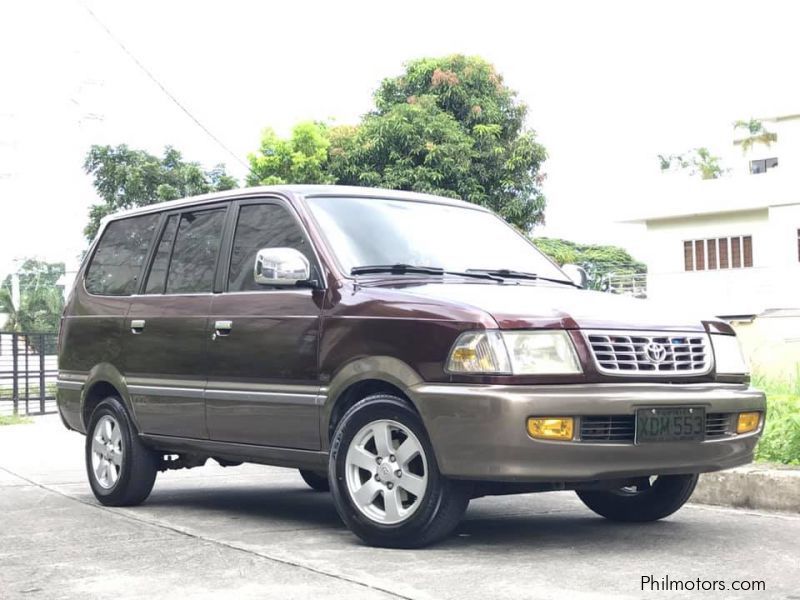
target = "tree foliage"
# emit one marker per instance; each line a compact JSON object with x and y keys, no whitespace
{"x":447,"y":126}
{"x":756,"y":134}
{"x":41,"y":300}
{"x":598,"y":260}
{"x":699,"y":161}
{"x":125,"y":178}
{"x":302,"y":158}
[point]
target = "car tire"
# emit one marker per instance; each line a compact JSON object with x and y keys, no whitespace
{"x":120,"y":468}
{"x":316,"y":481}
{"x":391,"y":512}
{"x":647,"y":502}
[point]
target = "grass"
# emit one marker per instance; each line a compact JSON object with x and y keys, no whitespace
{"x":781,"y":440}
{"x":14,"y":420}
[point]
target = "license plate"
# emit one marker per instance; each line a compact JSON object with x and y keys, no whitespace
{"x":670,"y":425}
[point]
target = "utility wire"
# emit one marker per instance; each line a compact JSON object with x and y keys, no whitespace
{"x":164,"y":89}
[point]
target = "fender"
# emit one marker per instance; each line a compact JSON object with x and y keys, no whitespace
{"x":107,"y":373}
{"x":383,"y":368}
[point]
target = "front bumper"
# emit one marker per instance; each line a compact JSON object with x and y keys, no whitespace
{"x":479,"y":431}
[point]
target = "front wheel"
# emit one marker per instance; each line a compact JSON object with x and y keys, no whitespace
{"x":121,"y":469}
{"x":384,"y":478}
{"x":650,"y":499}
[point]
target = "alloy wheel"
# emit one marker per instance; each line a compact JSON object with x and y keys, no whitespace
{"x":386,"y":471}
{"x":107,"y":452}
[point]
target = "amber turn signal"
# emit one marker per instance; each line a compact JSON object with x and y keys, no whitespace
{"x":550,"y":428}
{"x":747,"y":422}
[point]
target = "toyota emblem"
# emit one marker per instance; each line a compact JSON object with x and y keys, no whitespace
{"x":655,"y":352}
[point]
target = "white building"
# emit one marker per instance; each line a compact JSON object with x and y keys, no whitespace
{"x":729,"y":246}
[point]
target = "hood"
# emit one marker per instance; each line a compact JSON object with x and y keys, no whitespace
{"x":546,"y":305}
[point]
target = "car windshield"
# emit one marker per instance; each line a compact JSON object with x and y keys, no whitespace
{"x":374,"y":231}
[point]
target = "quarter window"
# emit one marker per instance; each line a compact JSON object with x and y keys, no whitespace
{"x":158,"y":272}
{"x":262,"y":226}
{"x":720,"y":253}
{"x":194,"y":252}
{"x":117,"y":262}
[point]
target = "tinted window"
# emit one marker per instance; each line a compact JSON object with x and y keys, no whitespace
{"x":117,"y":262}
{"x":158,"y":272}
{"x":262,"y":226}
{"x":194,"y":254}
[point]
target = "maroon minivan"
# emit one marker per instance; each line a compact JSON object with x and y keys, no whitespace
{"x":405,"y":351}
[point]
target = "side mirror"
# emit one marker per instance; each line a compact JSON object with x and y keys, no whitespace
{"x":576,"y":274}
{"x":280,"y":266}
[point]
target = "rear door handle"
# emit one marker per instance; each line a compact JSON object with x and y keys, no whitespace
{"x":137,"y":326}
{"x":222,"y":328}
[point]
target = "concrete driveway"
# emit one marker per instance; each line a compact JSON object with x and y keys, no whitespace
{"x":259,"y":532}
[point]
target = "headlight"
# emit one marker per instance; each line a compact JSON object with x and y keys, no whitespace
{"x":728,"y":355}
{"x":514,"y":353}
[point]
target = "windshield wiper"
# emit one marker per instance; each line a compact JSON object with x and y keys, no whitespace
{"x":403,"y":269}
{"x":511,"y":274}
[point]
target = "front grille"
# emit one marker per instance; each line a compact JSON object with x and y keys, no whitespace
{"x":718,"y":425}
{"x":622,"y":428}
{"x":651,"y":354}
{"x":611,"y":428}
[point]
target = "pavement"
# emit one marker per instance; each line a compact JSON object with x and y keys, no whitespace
{"x":259,"y":532}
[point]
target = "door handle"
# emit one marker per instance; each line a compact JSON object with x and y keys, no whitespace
{"x":221,"y":329}
{"x":137,"y":326}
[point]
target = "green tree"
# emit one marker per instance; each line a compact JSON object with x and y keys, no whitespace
{"x":414,"y":146}
{"x":451,"y":126}
{"x":302,"y":158}
{"x":699,"y":161}
{"x":125,"y":178}
{"x":41,"y":300}
{"x":598,"y":260}
{"x":446,"y":126}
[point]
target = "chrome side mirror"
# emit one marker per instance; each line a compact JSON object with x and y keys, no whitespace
{"x":280,"y":266}
{"x":576,"y":274}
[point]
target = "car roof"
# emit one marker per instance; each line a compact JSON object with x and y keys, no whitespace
{"x":307,"y":191}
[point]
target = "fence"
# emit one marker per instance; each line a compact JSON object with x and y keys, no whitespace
{"x":28,"y":373}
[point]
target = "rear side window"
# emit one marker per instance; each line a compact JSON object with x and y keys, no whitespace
{"x":117,"y":262}
{"x":262,"y":226}
{"x":194,"y":252}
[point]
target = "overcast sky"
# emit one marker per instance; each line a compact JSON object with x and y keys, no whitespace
{"x":609,"y":85}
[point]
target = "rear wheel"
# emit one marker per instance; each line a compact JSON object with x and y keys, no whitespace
{"x":650,"y":499}
{"x":121,"y":469}
{"x":316,"y":481}
{"x":385,"y":481}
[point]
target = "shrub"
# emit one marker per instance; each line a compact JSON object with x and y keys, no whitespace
{"x":781,"y":440}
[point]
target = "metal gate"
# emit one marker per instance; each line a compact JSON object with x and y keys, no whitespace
{"x":28,"y":373}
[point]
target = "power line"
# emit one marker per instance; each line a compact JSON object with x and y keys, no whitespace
{"x":164,"y":89}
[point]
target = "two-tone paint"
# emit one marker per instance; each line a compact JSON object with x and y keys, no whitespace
{"x":270,"y":388}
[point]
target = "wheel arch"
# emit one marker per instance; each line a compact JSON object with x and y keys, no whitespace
{"x":361,"y":378}
{"x":104,"y":380}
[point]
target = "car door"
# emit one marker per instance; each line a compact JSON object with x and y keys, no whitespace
{"x":263,"y":379}
{"x":165,"y":344}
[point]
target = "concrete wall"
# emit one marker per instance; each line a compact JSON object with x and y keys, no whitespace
{"x":771,"y":343}
{"x":725,"y":291}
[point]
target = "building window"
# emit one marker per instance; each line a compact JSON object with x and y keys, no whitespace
{"x":721,"y":253}
{"x":688,"y":253}
{"x":762,"y":165}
